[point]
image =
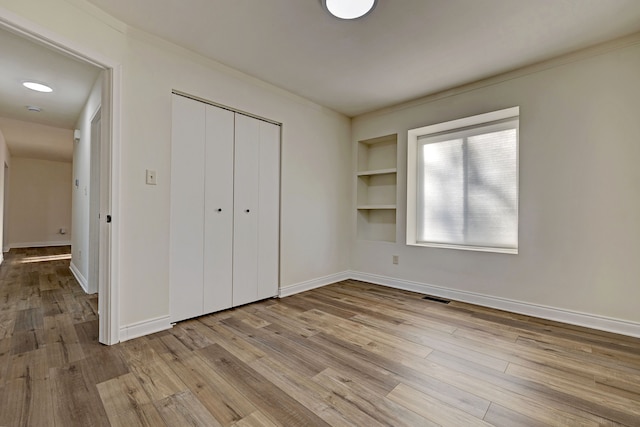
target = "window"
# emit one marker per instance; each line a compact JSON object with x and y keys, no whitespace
{"x":462,"y":183}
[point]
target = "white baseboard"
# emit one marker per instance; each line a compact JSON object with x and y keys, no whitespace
{"x":163,"y":323}
{"x":550,"y":313}
{"x":79,"y":277}
{"x":314,"y":283}
{"x":39,"y":244}
{"x":1,"y":258}
{"x":593,"y":321}
{"x":146,"y":327}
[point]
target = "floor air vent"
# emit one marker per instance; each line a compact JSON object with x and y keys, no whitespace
{"x":436,"y":299}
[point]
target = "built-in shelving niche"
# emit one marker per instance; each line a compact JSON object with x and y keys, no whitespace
{"x":377,"y":188}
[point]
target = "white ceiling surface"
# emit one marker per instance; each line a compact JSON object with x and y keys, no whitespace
{"x":36,"y":141}
{"x":403,"y":50}
{"x":71,"y":80}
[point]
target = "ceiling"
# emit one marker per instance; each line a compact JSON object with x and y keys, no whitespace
{"x":36,"y":141}
{"x":71,"y":80}
{"x":403,"y":50}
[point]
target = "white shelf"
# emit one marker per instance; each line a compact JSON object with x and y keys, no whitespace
{"x":376,"y":188}
{"x":378,"y":172}
{"x":372,"y":207}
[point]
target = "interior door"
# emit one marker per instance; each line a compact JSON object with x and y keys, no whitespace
{"x":186,"y":253}
{"x":218,"y":213}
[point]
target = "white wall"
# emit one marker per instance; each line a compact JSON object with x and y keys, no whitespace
{"x":316,"y":154}
{"x":579,"y":219}
{"x":316,"y":163}
{"x":81,"y":192}
{"x":40,"y":202}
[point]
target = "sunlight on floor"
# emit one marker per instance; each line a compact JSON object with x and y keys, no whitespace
{"x":45,"y":258}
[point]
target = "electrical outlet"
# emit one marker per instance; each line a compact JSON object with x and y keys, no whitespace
{"x":396,"y":259}
{"x":151,"y":177}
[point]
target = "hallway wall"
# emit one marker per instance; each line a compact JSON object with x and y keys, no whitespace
{"x":40,"y":203}
{"x":81,"y":193}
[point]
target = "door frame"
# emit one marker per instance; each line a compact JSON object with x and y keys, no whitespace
{"x":94,"y":248}
{"x":108,"y":295}
{"x":5,"y":210}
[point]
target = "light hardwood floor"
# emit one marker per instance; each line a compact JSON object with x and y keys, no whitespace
{"x":351,"y":353}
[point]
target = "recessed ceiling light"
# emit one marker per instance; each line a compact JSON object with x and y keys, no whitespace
{"x":39,"y":87}
{"x":349,"y":9}
{"x":33,"y":108}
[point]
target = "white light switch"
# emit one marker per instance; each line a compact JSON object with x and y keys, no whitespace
{"x":151,"y":177}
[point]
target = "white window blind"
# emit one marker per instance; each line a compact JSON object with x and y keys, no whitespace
{"x":466,"y":186}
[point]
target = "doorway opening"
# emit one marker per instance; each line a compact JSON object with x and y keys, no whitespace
{"x":103,"y":181}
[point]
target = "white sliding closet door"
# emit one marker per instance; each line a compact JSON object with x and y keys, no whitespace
{"x":218,"y":213}
{"x":256,"y":207}
{"x":247,"y":210}
{"x":187,"y":208}
{"x":225,"y":204}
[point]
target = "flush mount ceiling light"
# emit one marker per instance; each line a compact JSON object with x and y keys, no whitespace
{"x":39,"y":87}
{"x":349,"y":9}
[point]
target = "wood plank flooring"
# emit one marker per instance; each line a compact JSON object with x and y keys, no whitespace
{"x":347,"y":354}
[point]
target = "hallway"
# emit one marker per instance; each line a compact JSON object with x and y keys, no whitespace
{"x":48,"y":342}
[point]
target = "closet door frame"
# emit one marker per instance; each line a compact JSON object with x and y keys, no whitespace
{"x":269,"y":219}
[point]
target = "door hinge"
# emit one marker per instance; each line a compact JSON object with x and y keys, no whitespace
{"x":108,"y":218}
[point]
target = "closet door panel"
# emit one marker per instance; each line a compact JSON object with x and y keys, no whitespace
{"x":218,"y":221}
{"x":246,"y":210}
{"x":187,"y":208}
{"x":269,"y":218}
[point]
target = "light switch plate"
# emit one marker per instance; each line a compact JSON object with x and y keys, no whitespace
{"x":151,"y":177}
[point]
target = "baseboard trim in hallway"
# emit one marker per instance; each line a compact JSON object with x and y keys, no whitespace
{"x":51,"y":244}
{"x":84,"y":284}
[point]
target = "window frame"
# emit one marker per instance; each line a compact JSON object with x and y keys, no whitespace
{"x":454,"y":126}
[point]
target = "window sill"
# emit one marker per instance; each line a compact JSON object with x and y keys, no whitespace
{"x":509,"y":251}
